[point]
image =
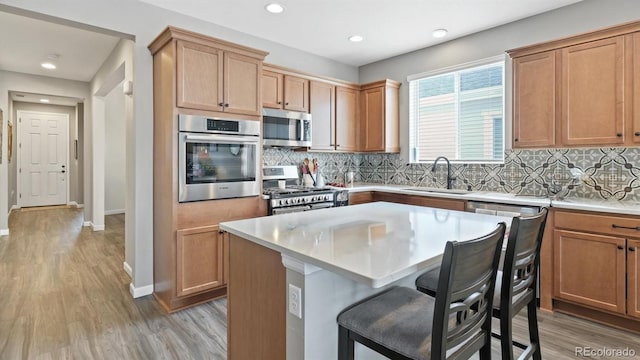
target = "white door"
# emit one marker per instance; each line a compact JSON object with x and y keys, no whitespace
{"x":43,"y":166}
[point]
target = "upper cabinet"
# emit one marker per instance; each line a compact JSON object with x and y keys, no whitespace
{"x":322,"y":107}
{"x":346,"y":119}
{"x":578,"y":91}
{"x":379,"y":117}
{"x":534,"y":100}
{"x":593,"y":93}
{"x":286,"y":92}
{"x":212,"y":74}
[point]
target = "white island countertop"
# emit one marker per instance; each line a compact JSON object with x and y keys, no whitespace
{"x":374,"y":244}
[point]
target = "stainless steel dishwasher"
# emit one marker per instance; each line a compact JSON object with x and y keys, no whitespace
{"x":508,"y":210}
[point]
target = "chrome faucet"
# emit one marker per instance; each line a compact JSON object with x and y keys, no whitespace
{"x":450,"y":179}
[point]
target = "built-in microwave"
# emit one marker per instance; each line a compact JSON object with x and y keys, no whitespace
{"x":286,"y":128}
{"x":218,"y":158}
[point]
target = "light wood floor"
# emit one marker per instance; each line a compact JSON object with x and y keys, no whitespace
{"x":64,"y":294}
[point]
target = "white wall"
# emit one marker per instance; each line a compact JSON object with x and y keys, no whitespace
{"x":145,"y":22}
{"x":10,"y":81}
{"x":115,"y":152}
{"x":581,"y":17}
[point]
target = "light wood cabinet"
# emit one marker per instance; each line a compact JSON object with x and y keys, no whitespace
{"x":596,"y":264}
{"x":379,"y":117}
{"x":360,"y":198}
{"x":589,"y":99}
{"x":280,"y":91}
{"x":633,"y":278}
{"x":322,"y":109}
{"x":593,"y":93}
{"x":534,"y":100}
{"x":634,"y":132}
{"x":440,"y":203}
{"x":590,"y":269}
{"x":196,"y":74}
{"x":346,"y":119}
{"x":211,"y":79}
{"x":199,"y":259}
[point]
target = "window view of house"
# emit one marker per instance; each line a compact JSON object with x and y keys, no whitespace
{"x":458,"y":114}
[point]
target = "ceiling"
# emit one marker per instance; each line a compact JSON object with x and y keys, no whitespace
{"x":30,"y":41}
{"x":389,"y":27}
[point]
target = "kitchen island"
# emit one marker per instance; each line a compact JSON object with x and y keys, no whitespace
{"x":290,"y":275}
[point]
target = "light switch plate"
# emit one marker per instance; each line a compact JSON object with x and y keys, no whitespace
{"x":295,"y":301}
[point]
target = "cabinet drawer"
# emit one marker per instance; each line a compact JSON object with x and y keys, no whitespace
{"x":614,"y":225}
{"x":360,"y":198}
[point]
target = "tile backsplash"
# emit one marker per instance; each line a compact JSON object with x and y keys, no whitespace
{"x":610,"y":173}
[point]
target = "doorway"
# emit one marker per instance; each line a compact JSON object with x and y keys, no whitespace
{"x":43,"y":158}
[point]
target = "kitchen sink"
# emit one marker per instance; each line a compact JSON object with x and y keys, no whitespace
{"x":440,"y":191}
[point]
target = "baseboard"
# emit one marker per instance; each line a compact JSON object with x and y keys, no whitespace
{"x":13,"y":207}
{"x":4,"y":232}
{"x":86,"y":223}
{"x":141,"y":291}
{"x":128,"y":269}
{"x":75,"y":205}
{"x":97,"y":227}
{"x":114,"y":212}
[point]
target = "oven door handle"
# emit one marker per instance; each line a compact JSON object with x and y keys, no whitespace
{"x":222,"y":138}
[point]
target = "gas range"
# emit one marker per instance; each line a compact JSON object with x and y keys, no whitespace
{"x":296,"y":198}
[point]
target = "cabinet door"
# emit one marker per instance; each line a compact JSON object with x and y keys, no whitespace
{"x":360,"y":198}
{"x":534,"y":100}
{"x":322,"y":109}
{"x":296,"y":94}
{"x":633,"y":278}
{"x":592,"y":93}
{"x":590,"y":270}
{"x":242,"y":84}
{"x":199,"y":260}
{"x":199,"y":77}
{"x":346,"y":119}
{"x":372,"y":119}
{"x":271,"y":90}
{"x":636,"y":88}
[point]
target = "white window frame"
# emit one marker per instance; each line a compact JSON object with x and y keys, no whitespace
{"x":476,"y":63}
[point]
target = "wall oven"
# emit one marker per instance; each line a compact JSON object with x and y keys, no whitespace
{"x":218,"y":158}
{"x":286,"y":128}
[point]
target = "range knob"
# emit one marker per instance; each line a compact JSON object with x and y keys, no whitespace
{"x":327,"y":197}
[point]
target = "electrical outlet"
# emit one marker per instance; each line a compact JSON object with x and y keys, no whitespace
{"x":295,"y":301}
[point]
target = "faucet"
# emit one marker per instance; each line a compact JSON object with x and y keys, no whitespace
{"x":449,"y":178}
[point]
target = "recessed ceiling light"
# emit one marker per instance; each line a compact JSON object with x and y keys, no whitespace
{"x":438,"y":33}
{"x":44,"y":100}
{"x":355,"y":38}
{"x":274,"y":8}
{"x":48,"y":65}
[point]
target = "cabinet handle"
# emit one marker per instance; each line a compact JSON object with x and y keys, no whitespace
{"x":619,"y":134}
{"x":636,"y":228}
{"x":620,"y":247}
{"x":516,"y":139}
{"x":279,"y":102}
{"x":286,"y":103}
{"x":637,"y":133}
{"x":632,"y":249}
{"x":221,"y":104}
{"x":226,"y":105}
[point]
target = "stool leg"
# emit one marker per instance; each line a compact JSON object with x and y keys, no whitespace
{"x":534,"y":337}
{"x":345,"y":344}
{"x":506,"y":337}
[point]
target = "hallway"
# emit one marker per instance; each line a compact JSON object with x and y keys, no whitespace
{"x":64,"y":294}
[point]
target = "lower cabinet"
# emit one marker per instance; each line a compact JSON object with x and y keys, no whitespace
{"x":360,"y":198}
{"x":597,"y":267}
{"x":199,"y":260}
{"x":440,"y":203}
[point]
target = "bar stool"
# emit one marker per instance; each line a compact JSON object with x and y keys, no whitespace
{"x":403,"y":323}
{"x":515,"y":284}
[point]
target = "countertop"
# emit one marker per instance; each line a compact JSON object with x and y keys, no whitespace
{"x":375,"y":243}
{"x":607,"y":206}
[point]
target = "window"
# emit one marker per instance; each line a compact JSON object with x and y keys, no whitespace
{"x":458,"y":113}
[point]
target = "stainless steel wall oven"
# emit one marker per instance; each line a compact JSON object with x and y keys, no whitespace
{"x":218,"y":158}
